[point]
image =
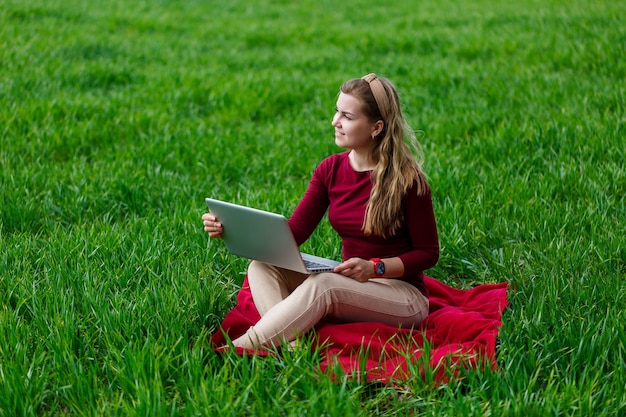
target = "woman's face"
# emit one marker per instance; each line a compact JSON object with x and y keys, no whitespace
{"x":353,"y":130}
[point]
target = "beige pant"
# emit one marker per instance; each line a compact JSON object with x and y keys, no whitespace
{"x":291,"y":303}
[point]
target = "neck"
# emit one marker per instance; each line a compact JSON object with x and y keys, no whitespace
{"x":360,"y":161}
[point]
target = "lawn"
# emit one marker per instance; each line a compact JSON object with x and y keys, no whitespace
{"x":117,"y":118}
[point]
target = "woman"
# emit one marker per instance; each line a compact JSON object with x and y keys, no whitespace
{"x":379,"y":203}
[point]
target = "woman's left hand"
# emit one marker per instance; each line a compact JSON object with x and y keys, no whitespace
{"x":356,"y":268}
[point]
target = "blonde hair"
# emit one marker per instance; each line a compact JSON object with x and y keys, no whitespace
{"x":397,"y":154}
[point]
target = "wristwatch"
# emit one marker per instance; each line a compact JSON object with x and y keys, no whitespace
{"x":379,"y":267}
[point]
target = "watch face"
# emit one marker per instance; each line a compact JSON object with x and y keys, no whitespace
{"x":380,"y":268}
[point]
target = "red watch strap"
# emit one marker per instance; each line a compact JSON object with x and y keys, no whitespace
{"x":375,"y":261}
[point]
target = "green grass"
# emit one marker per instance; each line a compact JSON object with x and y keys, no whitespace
{"x":118,"y":118}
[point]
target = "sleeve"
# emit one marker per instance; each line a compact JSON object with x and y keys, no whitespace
{"x":312,"y":207}
{"x":420,"y":220}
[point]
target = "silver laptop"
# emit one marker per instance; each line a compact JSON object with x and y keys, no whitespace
{"x":265,"y":237}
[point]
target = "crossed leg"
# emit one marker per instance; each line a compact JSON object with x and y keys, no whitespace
{"x":291,"y":304}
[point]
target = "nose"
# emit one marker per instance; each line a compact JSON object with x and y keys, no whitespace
{"x":335,"y":121}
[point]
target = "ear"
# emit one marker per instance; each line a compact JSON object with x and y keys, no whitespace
{"x":377,"y":128}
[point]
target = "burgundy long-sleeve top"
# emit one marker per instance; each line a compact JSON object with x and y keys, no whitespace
{"x":344,"y":192}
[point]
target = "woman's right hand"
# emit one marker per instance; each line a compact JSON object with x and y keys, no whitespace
{"x":212,"y":226}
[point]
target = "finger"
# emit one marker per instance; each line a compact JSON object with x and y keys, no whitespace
{"x":209,"y":216}
{"x":347,"y":272}
{"x":213,"y":227}
{"x":343,"y":268}
{"x":214,"y":231}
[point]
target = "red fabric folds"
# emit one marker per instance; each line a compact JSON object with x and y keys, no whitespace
{"x":459,"y":333}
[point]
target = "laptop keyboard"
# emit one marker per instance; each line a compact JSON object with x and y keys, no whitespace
{"x":315,"y":265}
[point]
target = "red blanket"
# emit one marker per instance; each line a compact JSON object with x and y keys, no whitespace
{"x":459,"y":332}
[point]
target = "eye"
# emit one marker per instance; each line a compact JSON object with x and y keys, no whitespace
{"x":348,"y":116}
